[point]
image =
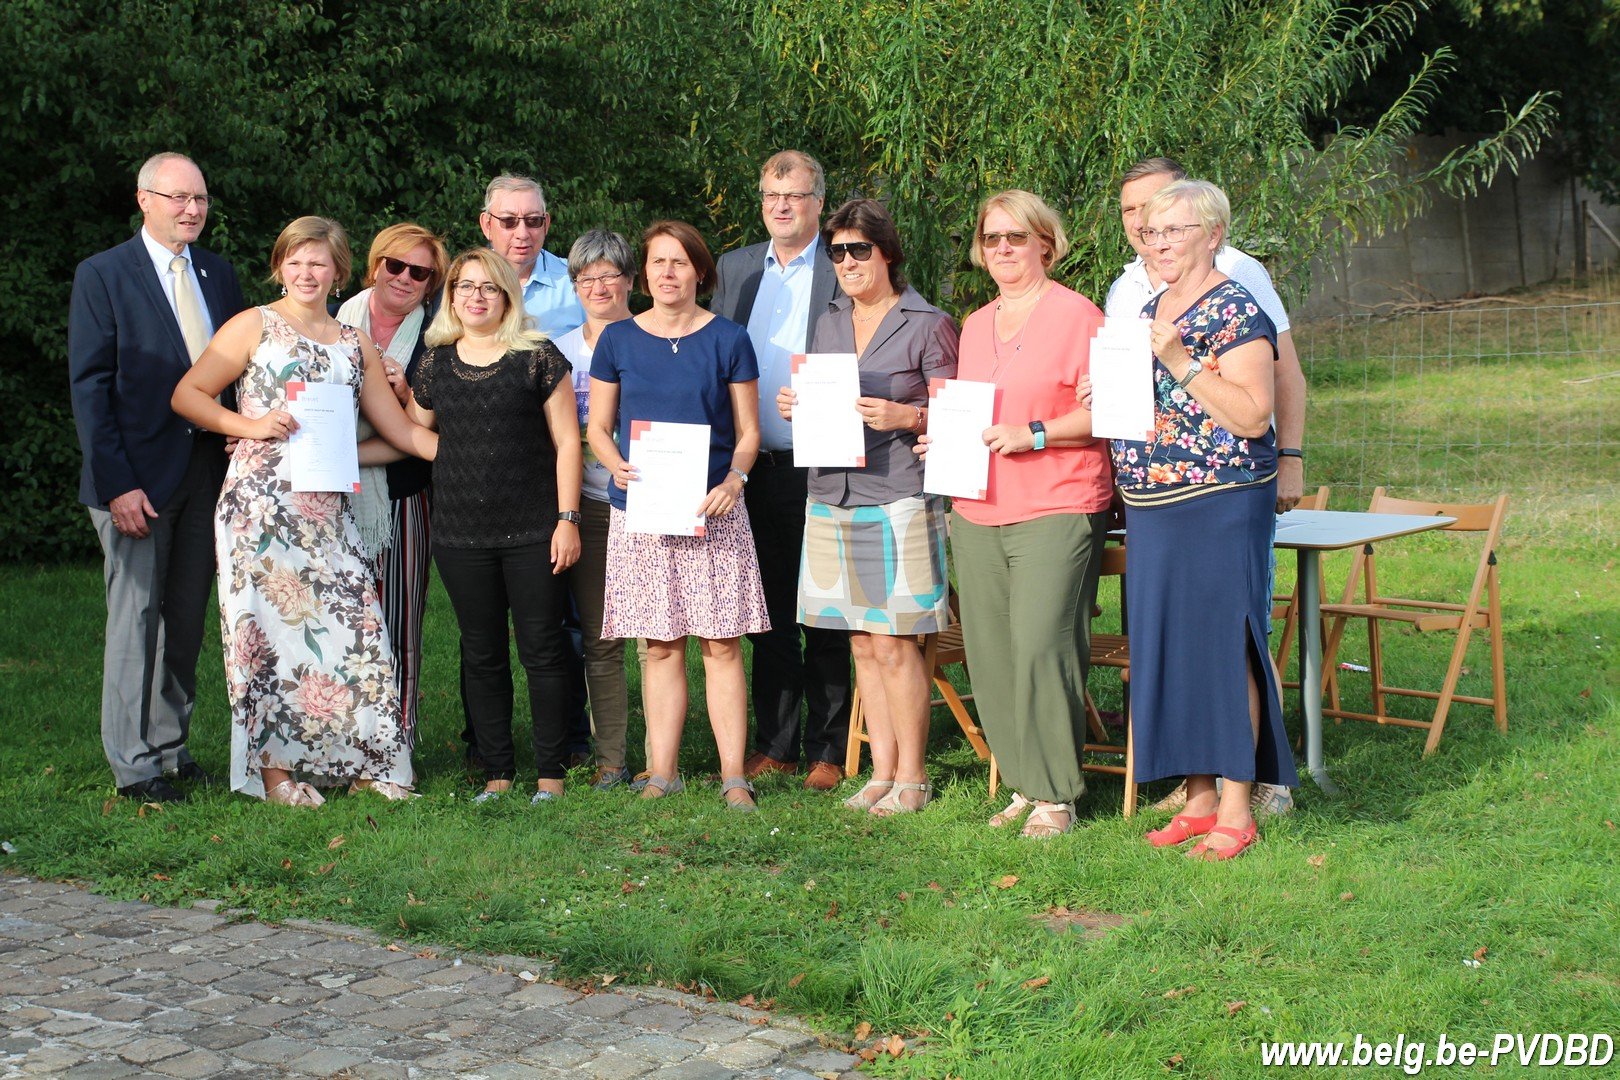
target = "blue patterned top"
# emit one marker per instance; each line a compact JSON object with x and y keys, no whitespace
{"x":1190,"y":453}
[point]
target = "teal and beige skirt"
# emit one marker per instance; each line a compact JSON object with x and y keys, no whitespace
{"x":880,"y":569}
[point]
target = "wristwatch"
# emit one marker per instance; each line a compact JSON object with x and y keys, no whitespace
{"x":571,"y":516}
{"x":1192,"y":372}
{"x":1038,"y":429}
{"x":1290,"y":451}
{"x":740,"y":475}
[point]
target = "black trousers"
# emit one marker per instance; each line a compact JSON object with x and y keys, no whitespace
{"x":787,"y":674}
{"x":485,"y":584}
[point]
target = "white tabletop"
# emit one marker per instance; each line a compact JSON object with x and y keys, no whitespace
{"x":1333,"y":529}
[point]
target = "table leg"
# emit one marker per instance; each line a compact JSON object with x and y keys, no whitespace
{"x":1310,"y":664}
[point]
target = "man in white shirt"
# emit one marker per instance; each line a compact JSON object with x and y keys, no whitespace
{"x":140,"y":316}
{"x":515,"y":222}
{"x":778,"y":289}
{"x":1131,"y":291}
{"x":1136,"y":285}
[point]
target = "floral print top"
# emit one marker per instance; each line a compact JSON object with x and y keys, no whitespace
{"x":1190,"y":453}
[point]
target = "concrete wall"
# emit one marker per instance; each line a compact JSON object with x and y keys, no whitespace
{"x":1515,"y":233}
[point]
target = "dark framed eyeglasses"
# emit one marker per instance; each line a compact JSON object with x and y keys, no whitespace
{"x":1017,"y":238}
{"x":487,"y":289}
{"x":181,"y":200}
{"x":400,"y":266}
{"x":860,"y":249}
{"x":510,"y":221}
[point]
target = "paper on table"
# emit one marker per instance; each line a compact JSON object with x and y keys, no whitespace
{"x":827,"y":431}
{"x":958,"y":462}
{"x":322,"y":454}
{"x":1122,"y":380}
{"x":672,"y":478}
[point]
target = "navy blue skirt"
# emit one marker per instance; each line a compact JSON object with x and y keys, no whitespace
{"x":1198,"y":596}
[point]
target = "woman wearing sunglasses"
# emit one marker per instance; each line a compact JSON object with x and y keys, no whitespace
{"x":404,"y":269}
{"x":873,"y":560}
{"x":505,"y":510}
{"x":1027,"y":555}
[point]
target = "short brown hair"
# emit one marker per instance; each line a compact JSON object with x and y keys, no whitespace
{"x":1032,"y":213}
{"x":313,"y":230}
{"x":1154,"y":166}
{"x":869,"y":218}
{"x":691,"y":242}
{"x":779,"y":164}
{"x":397,"y":241}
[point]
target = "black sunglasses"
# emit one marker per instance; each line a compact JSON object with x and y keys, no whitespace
{"x":510,"y":221}
{"x":399,"y":266}
{"x":861,"y":249}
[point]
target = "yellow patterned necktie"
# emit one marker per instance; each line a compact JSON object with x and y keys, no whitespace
{"x":193,"y":327}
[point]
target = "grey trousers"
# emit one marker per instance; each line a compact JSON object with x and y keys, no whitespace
{"x":604,"y":658}
{"x":157,"y":595}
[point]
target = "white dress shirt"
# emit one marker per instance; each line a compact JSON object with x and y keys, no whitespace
{"x":161,"y":257}
{"x":1131,"y":291}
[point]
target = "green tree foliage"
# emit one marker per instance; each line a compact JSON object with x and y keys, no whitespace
{"x":377,"y":112}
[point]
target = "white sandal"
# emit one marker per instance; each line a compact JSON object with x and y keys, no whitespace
{"x":289,"y":793}
{"x":859,"y":801}
{"x":1041,"y":825}
{"x":1011,"y":812}
{"x":891,"y":805}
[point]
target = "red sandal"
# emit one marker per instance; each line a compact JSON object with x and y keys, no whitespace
{"x":1205,"y":853}
{"x":1180,"y":830}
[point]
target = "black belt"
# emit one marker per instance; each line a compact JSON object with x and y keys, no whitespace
{"x":774,"y":458}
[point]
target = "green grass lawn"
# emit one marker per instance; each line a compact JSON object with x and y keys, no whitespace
{"x":1360,"y":914}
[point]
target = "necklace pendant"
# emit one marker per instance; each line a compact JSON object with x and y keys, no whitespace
{"x":675,"y":345}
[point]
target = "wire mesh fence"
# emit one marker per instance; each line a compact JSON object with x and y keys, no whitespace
{"x":1460,"y":402}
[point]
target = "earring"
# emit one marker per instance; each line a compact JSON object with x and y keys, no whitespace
{"x":337,"y":294}
{"x":284,"y":290}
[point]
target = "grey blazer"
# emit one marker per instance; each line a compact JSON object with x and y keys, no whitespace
{"x":737,"y":283}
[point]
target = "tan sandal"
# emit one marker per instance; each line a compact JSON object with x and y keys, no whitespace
{"x":891,"y":805}
{"x":659,"y":786}
{"x":869,"y":796}
{"x":745,"y":803}
{"x":1042,"y":823}
{"x":289,"y":793}
{"x":1011,"y":812}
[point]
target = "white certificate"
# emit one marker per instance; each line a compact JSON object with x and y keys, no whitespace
{"x":1122,"y":380}
{"x":672,"y":478}
{"x":827,"y":429}
{"x":322,"y":453}
{"x":958,"y":462}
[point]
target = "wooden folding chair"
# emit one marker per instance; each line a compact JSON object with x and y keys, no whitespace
{"x":940,"y":651}
{"x":1481,"y":611}
{"x":1112,"y":651}
{"x":1285,"y":606}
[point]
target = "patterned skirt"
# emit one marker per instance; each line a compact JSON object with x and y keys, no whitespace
{"x":667,"y":587}
{"x":880,"y":569}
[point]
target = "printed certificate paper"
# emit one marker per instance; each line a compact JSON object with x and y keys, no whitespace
{"x":1122,"y":380}
{"x":958,"y":462}
{"x":672,"y":478}
{"x":322,"y":453}
{"x":827,"y":431}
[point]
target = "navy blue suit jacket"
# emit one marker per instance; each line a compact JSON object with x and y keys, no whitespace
{"x":125,"y":356}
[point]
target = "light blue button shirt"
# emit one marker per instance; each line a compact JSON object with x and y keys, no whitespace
{"x":548,"y":296}
{"x":779,"y":326}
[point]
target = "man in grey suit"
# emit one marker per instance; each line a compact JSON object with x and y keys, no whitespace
{"x":778,"y":289}
{"x":140,"y":316}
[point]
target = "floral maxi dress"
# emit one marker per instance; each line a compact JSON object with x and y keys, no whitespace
{"x":308,"y":666}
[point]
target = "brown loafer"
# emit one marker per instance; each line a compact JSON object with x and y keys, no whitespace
{"x":758,"y":764}
{"x":824,"y":776}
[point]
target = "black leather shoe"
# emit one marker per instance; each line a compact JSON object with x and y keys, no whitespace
{"x":156,"y":790}
{"x":193,"y":773}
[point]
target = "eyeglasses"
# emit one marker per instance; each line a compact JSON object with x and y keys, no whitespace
{"x":400,"y":266}
{"x":487,"y":289}
{"x":792,"y":198}
{"x":1170,"y":234}
{"x":1017,"y":238}
{"x":861,"y":249}
{"x":510,"y":221}
{"x":607,"y":281}
{"x":180,"y":200}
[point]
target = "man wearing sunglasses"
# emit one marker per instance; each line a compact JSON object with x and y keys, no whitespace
{"x":140,"y":315}
{"x":778,"y":289}
{"x":1131,"y":291}
{"x":515,"y":223}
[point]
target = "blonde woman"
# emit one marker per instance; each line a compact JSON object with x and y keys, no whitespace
{"x":506,"y":510}
{"x":308,"y":663}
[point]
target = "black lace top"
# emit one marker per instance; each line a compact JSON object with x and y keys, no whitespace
{"x":495,"y":479}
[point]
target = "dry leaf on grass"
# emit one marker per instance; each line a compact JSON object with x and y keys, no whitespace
{"x":1007,"y":881}
{"x":609,"y":980}
{"x":1347,"y":896}
{"x":1179,"y":992}
{"x":1479,"y":953}
{"x":1037,"y":982}
{"x":796,"y":980}
{"x":863,"y":1031}
{"x":1173,"y":1062}
{"x":286,"y":864}
{"x":748,"y":1001}
{"x":1232,"y":1007}
{"x":895,"y":1046}
{"x":335,"y":843}
{"x":1317,"y":860}
{"x":160,"y":877}
{"x":392,"y":947}
{"x":936,"y":886}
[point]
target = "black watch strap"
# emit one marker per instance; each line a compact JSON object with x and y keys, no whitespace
{"x":1289,"y":451}
{"x":572,"y":516}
